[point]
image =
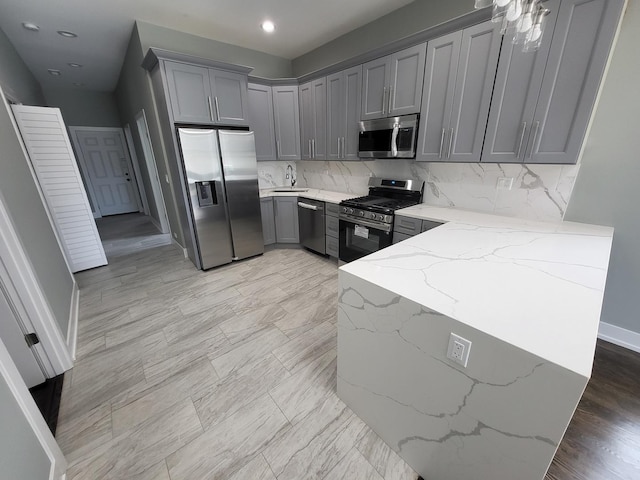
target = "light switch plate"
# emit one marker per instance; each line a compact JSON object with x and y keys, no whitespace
{"x":458,"y":349}
{"x":505,"y":183}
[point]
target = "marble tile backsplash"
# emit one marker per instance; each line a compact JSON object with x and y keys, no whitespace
{"x":273,"y":174}
{"x":539,"y":192}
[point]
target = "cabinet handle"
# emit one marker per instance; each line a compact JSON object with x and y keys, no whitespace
{"x":215,"y":101}
{"x":313,"y":147}
{"x":384,"y":100}
{"x":309,"y":148}
{"x":210,"y":109}
{"x":390,"y":99}
{"x":277,"y":149}
{"x":535,"y":137}
{"x":524,"y":128}
{"x":344,"y":154}
{"x":339,"y":156}
{"x":441,"y":143}
{"x":450,"y":144}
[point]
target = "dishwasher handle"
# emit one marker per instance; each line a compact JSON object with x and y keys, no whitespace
{"x":308,"y":206}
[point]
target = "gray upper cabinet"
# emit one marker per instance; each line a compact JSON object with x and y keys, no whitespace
{"x":578,"y":55}
{"x":189,"y":92}
{"x":392,"y":85}
{"x":261,"y":121}
{"x":543,"y":101}
{"x":206,"y":95}
{"x":286,"y":219}
{"x":313,"y":119}
{"x":343,"y":114}
{"x":229,"y":90}
{"x":459,"y":77}
{"x":287,"y":121}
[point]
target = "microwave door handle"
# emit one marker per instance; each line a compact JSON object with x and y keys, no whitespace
{"x":394,"y":140}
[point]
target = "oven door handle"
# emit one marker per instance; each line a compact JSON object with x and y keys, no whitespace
{"x":394,"y":140}
{"x":365,"y":223}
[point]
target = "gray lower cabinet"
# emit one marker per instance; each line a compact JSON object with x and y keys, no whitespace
{"x":407,"y":227}
{"x":542,"y":101}
{"x":459,"y":77}
{"x":344,"y":103}
{"x":286,"y":219}
{"x":261,"y":121}
{"x":199,"y":94}
{"x":332,"y":225}
{"x":313,"y":119}
{"x":392,"y":85}
{"x":268,"y":221}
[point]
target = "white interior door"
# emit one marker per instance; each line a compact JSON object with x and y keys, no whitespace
{"x":13,"y":337}
{"x":106,"y":164}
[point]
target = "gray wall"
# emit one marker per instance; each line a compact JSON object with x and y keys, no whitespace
{"x":18,"y":189}
{"x":264,"y":65}
{"x":413,"y":18}
{"x":606,"y":190}
{"x":16,"y":79}
{"x":21,"y":454}
{"x":82,"y":108}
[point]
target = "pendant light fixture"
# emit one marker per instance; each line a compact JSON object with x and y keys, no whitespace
{"x":523,"y":20}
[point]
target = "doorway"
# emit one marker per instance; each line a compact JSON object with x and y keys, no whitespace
{"x":106,"y":166}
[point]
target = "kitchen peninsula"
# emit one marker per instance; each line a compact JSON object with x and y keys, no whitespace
{"x":526,"y":294}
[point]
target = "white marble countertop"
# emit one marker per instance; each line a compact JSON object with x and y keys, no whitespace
{"x":538,"y":286}
{"x":313,"y":193}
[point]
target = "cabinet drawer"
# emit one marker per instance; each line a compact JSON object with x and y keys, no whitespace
{"x":332,"y":246}
{"x":399,"y":237}
{"x":410,"y":226}
{"x":333,"y":209}
{"x":428,"y":225}
{"x":333,"y":226}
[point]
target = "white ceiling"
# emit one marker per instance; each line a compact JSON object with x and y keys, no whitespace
{"x":104,"y":28}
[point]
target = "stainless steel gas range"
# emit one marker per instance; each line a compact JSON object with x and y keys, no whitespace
{"x":366,"y":223}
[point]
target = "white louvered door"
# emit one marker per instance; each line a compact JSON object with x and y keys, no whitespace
{"x":54,"y":164}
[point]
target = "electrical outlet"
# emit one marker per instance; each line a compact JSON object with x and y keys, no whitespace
{"x":458,"y":349}
{"x":504,"y":183}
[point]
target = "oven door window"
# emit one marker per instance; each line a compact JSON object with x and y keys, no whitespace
{"x":357,"y":242}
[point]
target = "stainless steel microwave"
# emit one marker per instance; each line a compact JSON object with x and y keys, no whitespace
{"x":393,"y":137}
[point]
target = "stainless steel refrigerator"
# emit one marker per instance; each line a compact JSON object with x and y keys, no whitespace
{"x":221,"y":175}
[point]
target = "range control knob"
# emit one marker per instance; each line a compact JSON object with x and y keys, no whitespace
{"x":361,"y":213}
{"x":350,"y":211}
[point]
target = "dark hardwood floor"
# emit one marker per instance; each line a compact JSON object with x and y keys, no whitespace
{"x":603,"y":438}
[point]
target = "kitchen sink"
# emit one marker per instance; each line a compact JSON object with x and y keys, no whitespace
{"x":289,"y":189}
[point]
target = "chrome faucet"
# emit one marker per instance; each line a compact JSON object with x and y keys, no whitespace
{"x":289,"y":175}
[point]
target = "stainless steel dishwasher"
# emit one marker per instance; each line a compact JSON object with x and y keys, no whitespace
{"x":311,"y":224}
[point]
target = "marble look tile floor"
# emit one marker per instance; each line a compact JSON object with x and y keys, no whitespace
{"x":225,"y":374}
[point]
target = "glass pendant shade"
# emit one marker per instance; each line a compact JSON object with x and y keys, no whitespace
{"x":524,"y":20}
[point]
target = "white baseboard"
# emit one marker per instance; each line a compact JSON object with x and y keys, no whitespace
{"x":72,"y":331}
{"x":155,"y":223}
{"x":619,"y":336}
{"x":180,"y":247}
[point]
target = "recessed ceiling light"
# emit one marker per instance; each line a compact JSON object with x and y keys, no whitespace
{"x":30,"y":26}
{"x":54,"y":72}
{"x":66,"y":33}
{"x":74,"y":65}
{"x":268,"y":26}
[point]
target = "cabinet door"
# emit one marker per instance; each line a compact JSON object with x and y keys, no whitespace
{"x":268,"y":221}
{"x":287,"y":122}
{"x":577,"y":58}
{"x":476,"y":74}
{"x":335,"y":115}
{"x":261,"y":121}
{"x":407,"y":75}
{"x":515,"y":95}
{"x":353,"y":103}
{"x":229,"y":91}
{"x":189,"y":92}
{"x":286,"y":217}
{"x":437,"y":100}
{"x":375,"y":77}
{"x":306,"y":119}
{"x":319,"y":139}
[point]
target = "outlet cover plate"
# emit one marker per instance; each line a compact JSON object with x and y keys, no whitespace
{"x":505,"y":183}
{"x":458,"y":349}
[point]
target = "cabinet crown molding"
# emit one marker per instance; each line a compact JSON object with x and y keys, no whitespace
{"x":154,"y":55}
